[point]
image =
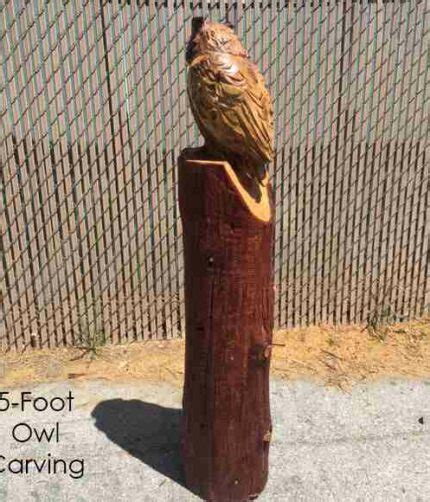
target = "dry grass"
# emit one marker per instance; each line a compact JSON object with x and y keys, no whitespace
{"x":340,"y":356}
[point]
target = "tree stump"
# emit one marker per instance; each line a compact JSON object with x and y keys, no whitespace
{"x":229,"y":322}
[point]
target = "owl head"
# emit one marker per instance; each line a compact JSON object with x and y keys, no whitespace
{"x":212,"y":37}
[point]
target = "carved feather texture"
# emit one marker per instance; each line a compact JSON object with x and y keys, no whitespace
{"x":228,"y":98}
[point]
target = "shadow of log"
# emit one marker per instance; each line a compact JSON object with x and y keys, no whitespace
{"x":149,"y":432}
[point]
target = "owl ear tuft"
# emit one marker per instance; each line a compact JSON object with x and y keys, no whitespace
{"x":229,"y":25}
{"x":197,"y":23}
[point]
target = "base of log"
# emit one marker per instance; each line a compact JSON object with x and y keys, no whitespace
{"x":229,"y":312}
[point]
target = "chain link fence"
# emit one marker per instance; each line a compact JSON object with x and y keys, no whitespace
{"x":94,"y":114}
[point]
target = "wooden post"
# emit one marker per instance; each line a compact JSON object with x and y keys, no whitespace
{"x":229,"y":321}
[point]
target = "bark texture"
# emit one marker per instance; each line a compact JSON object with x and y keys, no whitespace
{"x":229,"y":322}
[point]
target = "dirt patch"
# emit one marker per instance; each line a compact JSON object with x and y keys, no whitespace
{"x":339,"y":356}
{"x":343,"y":356}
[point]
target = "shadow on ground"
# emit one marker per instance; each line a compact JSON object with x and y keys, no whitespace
{"x":147,"y":431}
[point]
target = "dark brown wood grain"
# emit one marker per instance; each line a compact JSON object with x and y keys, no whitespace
{"x":229,"y":322}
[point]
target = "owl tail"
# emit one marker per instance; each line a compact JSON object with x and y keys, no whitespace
{"x":255,"y":178}
{"x":262,"y":174}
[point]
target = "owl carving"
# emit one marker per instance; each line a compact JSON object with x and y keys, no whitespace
{"x":229,"y":100}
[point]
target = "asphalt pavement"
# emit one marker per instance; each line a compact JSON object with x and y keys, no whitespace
{"x":100,"y":441}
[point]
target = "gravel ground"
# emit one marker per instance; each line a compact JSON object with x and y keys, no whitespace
{"x":372,"y":443}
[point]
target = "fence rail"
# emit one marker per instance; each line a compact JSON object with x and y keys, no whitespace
{"x":94,"y":114}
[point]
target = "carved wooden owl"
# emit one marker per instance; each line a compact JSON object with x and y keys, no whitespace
{"x":229,"y":100}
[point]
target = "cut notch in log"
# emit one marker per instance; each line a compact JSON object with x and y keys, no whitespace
{"x":261,"y":209}
{"x":229,"y":322}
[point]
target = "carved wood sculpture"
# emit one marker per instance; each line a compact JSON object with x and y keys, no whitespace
{"x":226,"y":209}
{"x":230,"y":102}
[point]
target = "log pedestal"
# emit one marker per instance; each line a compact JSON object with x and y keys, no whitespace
{"x":227,"y":236}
